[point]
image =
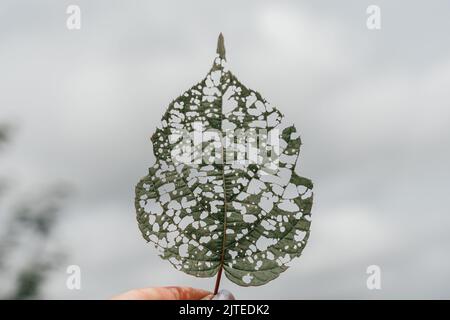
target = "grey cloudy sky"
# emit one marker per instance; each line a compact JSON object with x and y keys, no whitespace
{"x":372,"y":108}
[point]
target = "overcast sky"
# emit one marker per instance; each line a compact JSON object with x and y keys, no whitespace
{"x":372,"y":107}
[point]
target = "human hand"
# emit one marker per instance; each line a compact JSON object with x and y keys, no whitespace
{"x":173,"y":293}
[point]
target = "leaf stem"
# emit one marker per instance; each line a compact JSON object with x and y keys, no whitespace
{"x":219,"y":276}
{"x":224,"y":236}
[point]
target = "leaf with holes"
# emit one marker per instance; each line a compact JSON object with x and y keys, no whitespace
{"x":223,"y":194}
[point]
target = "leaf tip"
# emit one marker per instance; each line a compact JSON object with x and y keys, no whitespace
{"x":221,"y":46}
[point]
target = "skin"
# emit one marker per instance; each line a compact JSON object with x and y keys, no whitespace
{"x":165,"y":293}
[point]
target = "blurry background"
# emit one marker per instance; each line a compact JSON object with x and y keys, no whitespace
{"x":77,"y":109}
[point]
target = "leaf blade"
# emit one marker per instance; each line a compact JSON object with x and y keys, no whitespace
{"x":248,"y":219}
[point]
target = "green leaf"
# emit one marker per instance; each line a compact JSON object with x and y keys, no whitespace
{"x":184,"y":207}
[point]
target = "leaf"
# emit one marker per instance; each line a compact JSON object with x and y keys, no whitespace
{"x":183,"y":208}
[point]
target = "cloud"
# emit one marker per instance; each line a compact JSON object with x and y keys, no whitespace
{"x":371,"y":109}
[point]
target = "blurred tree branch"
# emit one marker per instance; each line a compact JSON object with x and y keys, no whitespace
{"x":4,"y":131}
{"x":26,"y":232}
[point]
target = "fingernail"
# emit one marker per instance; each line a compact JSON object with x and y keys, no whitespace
{"x":224,"y":295}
